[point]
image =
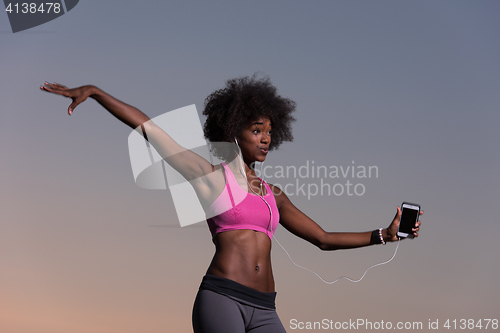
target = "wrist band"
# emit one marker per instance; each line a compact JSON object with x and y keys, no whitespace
{"x":375,"y":238}
{"x":380,"y":235}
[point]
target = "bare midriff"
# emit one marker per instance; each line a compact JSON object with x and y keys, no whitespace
{"x":244,"y":256}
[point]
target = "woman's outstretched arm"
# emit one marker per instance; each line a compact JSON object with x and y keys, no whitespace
{"x":189,"y":164}
{"x":302,"y":226}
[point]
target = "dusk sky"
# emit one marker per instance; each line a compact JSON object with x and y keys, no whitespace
{"x":409,"y":88}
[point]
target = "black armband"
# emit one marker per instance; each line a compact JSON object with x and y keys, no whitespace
{"x":375,"y":238}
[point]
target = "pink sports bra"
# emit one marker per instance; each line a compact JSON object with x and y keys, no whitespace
{"x":237,"y":209}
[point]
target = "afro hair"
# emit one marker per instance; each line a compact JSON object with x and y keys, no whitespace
{"x":243,"y":100}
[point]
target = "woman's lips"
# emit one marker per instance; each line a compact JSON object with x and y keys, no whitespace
{"x":264,"y":150}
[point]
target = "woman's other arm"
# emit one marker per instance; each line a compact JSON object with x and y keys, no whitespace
{"x":302,"y":226}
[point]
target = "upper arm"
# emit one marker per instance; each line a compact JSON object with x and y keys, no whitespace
{"x":296,"y":221}
{"x":189,"y":164}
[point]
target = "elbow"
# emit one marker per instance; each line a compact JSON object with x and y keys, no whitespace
{"x":326,"y":247}
{"x":322,"y":246}
{"x":321,"y":243}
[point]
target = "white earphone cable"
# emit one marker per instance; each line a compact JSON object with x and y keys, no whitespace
{"x":342,"y":277}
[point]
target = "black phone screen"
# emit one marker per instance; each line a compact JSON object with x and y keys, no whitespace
{"x":408,"y":220}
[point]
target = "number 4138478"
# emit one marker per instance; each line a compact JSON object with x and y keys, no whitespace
{"x":26,"y":8}
{"x":471,"y":324}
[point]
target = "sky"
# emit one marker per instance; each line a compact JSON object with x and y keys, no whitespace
{"x":408,"y":87}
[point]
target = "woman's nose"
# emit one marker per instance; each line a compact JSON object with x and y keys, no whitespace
{"x":265,"y":138}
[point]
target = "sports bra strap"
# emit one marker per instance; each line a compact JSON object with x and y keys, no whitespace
{"x":233,"y":182}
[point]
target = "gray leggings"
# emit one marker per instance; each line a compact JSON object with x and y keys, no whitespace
{"x":216,"y":313}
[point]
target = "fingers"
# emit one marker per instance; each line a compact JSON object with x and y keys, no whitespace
{"x":47,"y":86}
{"x":60,"y":86}
{"x":55,"y":88}
{"x":416,"y":229}
{"x":398,"y":214}
{"x":71,"y":107}
{"x":417,"y":225}
{"x":393,"y":227}
{"x":397,"y":218}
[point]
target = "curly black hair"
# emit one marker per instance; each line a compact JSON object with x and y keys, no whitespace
{"x":243,"y":100}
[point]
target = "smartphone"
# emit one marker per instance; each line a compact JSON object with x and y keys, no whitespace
{"x":409,"y":216}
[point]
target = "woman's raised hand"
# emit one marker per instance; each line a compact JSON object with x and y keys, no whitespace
{"x":78,"y":95}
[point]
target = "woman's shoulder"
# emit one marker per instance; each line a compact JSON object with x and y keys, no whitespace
{"x":279,"y":195}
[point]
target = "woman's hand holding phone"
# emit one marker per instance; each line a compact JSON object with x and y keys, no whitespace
{"x":406,"y":223}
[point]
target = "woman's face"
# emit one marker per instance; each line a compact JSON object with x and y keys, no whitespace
{"x":255,"y":139}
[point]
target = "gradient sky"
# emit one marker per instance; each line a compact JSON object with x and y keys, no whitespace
{"x":408,"y":86}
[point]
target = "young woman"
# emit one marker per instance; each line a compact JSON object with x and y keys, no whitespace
{"x":237,"y":293}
